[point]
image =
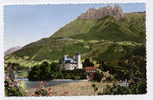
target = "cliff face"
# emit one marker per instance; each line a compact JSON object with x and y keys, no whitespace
{"x":93,"y":13}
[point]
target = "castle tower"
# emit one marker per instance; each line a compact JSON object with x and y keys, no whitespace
{"x":79,"y":64}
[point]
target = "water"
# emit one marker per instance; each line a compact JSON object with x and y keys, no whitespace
{"x":35,"y":84}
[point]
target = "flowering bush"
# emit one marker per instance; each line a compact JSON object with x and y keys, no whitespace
{"x":12,"y":88}
{"x":41,"y":92}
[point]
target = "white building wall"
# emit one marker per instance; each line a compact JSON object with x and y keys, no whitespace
{"x":79,"y":64}
{"x":70,"y":66}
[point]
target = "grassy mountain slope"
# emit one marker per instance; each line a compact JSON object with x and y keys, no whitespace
{"x":131,"y":28}
{"x":105,"y":38}
{"x":78,"y":26}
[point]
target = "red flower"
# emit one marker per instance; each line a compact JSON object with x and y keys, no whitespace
{"x":49,"y":89}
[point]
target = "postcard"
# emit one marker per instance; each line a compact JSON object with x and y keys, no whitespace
{"x":70,"y":50}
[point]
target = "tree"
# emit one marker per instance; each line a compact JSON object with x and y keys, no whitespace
{"x":41,"y":72}
{"x":45,"y":71}
{"x":87,"y":63}
{"x":54,"y":66}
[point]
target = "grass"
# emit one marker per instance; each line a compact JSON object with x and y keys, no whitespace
{"x":104,"y":49}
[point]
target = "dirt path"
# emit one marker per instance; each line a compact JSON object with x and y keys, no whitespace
{"x":83,"y":88}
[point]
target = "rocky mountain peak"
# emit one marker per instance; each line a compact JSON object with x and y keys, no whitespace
{"x":93,"y":13}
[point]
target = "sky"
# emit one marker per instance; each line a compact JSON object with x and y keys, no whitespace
{"x":24,"y":24}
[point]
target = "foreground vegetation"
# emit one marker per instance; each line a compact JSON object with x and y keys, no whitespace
{"x":14,"y":88}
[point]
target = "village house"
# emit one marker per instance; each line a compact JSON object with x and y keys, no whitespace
{"x":91,"y":70}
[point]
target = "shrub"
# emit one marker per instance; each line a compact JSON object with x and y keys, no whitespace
{"x":41,"y":92}
{"x":138,"y":88}
{"x":141,"y":87}
{"x":74,"y":74}
{"x":116,"y":89}
{"x":135,"y":88}
{"x":13,"y":89}
{"x":120,"y":90}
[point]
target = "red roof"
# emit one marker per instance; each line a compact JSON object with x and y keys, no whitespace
{"x":91,"y":68}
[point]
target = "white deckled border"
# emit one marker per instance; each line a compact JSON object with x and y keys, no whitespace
{"x":149,"y":37}
{"x":11,"y":2}
{"x":1,"y":52}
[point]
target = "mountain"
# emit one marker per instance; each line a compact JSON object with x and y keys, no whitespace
{"x":12,"y":50}
{"x":99,"y":13}
{"x":129,"y":28}
{"x":104,"y":33}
